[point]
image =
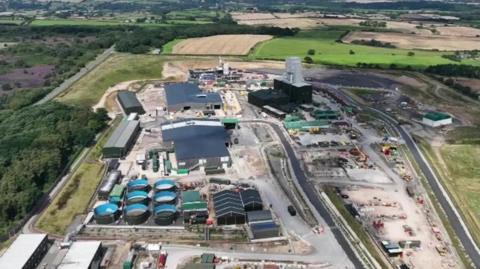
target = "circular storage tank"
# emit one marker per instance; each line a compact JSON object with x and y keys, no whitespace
{"x":165,"y":197}
{"x":137,"y":197}
{"x":165,"y":214}
{"x":106,"y":213}
{"x":165,"y":185}
{"x":136,"y":214}
{"x":138,"y":185}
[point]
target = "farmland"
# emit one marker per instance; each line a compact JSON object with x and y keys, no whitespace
{"x":119,"y":67}
{"x":425,"y":42}
{"x":457,"y":165}
{"x":328,"y":51}
{"x":219,"y":45}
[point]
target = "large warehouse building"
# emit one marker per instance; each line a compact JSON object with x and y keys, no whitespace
{"x":122,"y":139}
{"x":186,"y":96}
{"x":129,"y":103}
{"x":83,"y":255}
{"x":198,"y":143}
{"x":229,"y":208}
{"x":26,"y":252}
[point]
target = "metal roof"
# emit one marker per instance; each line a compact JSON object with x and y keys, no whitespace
{"x":259,"y":216}
{"x":17,"y":255}
{"x":122,"y":134}
{"x":128,"y":99}
{"x":437,"y":116}
{"x":191,"y":196}
{"x":80,"y":255}
{"x":117,"y":190}
{"x":197,"y":141}
{"x":250,"y":196}
{"x":228,"y":202}
{"x":184,"y":93}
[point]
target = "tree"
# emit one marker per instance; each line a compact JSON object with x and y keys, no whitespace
{"x":352,"y":52}
{"x":308,"y":60}
{"x":411,"y":53}
{"x":6,"y":87}
{"x":311,"y":52}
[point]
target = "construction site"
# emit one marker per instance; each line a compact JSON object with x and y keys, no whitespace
{"x":203,"y":171}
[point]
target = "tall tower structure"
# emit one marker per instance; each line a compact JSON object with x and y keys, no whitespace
{"x":293,"y":71}
{"x":292,"y":83}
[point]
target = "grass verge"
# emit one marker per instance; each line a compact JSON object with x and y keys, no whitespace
{"x":168,"y":48}
{"x":119,"y":67}
{"x":73,"y":199}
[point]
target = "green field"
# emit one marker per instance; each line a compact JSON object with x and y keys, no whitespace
{"x":118,"y":68}
{"x":457,"y":166}
{"x":168,"y":48}
{"x":328,"y":51}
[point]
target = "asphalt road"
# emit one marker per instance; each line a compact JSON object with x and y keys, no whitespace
{"x":311,"y":193}
{"x":69,"y":82}
{"x":441,"y":194}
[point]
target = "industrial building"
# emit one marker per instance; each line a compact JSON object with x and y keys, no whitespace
{"x":83,"y":255}
{"x":195,"y":209}
{"x":292,"y":83}
{"x":259,"y":216}
{"x":306,"y":126}
{"x":198,"y":143}
{"x":106,"y":213}
{"x":436,"y":119}
{"x":116,"y":195}
{"x":129,"y":103}
{"x":26,"y":252}
{"x":229,"y":208}
{"x":264,"y":230}
{"x":122,"y":139}
{"x":251,"y":200}
{"x":288,"y":91}
{"x":186,"y":96}
{"x":107,"y":186}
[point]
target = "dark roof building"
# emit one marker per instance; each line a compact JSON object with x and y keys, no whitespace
{"x":129,"y":102}
{"x":198,"y":143}
{"x":122,"y":139}
{"x":259,"y":216}
{"x":265,"y":230}
{"x":229,"y":208}
{"x":26,"y":252}
{"x":251,"y":200}
{"x":185,"y":96}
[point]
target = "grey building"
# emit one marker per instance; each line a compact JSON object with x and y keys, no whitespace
{"x":229,"y":208}
{"x":83,"y":255}
{"x":198,"y":143}
{"x":129,"y":102}
{"x":251,"y":200}
{"x":26,"y":252}
{"x":185,"y":96}
{"x":259,"y":216}
{"x":265,"y":230}
{"x":122,"y":139}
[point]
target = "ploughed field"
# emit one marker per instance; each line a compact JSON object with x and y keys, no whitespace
{"x":219,"y":45}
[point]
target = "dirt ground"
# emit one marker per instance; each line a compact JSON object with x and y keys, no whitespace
{"x":177,"y":70}
{"x":407,"y":27}
{"x":240,"y":16}
{"x":472,"y":83}
{"x":458,"y":31}
{"x":409,"y":41}
{"x":219,"y":45}
{"x":392,"y":205}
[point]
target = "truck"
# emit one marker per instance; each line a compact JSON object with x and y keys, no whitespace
{"x":292,"y":210}
{"x":162,"y":259}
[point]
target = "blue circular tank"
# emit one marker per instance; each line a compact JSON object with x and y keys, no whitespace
{"x":168,"y":197}
{"x":137,"y":197}
{"x":165,"y":214}
{"x":138,"y":185}
{"x":106,"y":213}
{"x":136,"y":214}
{"x":164,"y":185}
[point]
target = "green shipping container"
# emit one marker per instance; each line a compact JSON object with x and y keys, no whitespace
{"x":127,"y":265}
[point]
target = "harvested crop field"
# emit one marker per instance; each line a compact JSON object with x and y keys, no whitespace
{"x":219,"y":45}
{"x":410,"y":41}
{"x":458,"y":31}
{"x":302,"y":23}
